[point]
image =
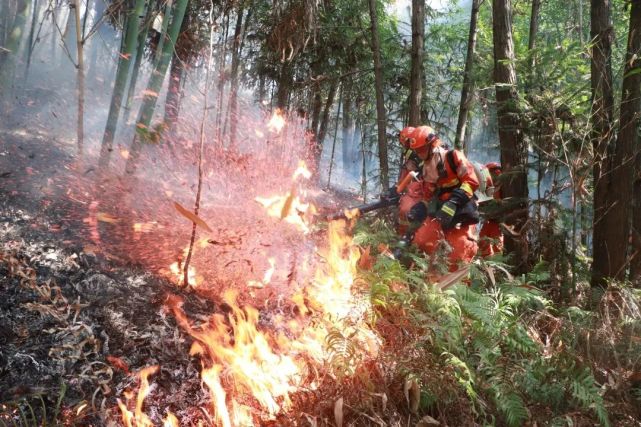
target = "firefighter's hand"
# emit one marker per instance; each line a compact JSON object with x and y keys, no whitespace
{"x":445,"y":215}
{"x":418,"y":212}
{"x":411,"y":165}
{"x":390,"y":194}
{"x":459,"y":197}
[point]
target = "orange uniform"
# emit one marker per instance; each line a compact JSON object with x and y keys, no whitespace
{"x":441,"y":176}
{"x":491,"y":237}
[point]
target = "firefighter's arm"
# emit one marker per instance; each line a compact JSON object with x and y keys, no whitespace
{"x":466,"y":175}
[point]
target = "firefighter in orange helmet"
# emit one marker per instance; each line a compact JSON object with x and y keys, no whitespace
{"x":491,"y":237}
{"x":414,"y":191}
{"x":448,"y":209}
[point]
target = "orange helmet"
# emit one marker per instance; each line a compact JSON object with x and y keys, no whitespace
{"x":405,"y":135}
{"x":423,"y":136}
{"x":494,"y":168}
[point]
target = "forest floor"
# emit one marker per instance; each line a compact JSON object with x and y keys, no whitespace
{"x":79,"y":316}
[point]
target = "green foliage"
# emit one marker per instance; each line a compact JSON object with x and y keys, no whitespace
{"x":31,"y":412}
{"x":491,"y":337}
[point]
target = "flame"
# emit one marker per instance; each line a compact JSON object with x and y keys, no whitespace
{"x":289,"y":208}
{"x":139,"y":418}
{"x":171,"y":421}
{"x":277,"y":121}
{"x":242,"y":360}
{"x":301,"y":170}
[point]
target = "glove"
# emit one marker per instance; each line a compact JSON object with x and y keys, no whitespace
{"x":445,"y":215}
{"x":390,"y":194}
{"x":459,"y":197}
{"x":417,"y":213}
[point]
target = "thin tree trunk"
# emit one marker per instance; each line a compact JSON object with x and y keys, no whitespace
{"x":347,"y":133}
{"x":222,"y":78}
{"x":154,"y":86}
{"x":609,"y":252}
{"x":135,"y":69}
{"x":9,"y":53}
{"x":130,"y":39}
{"x":581,"y":30}
{"x":317,"y":106}
{"x":163,"y":32}
{"x":531,"y":44}
{"x":513,"y":147}
{"x":233,"y":90}
{"x":29,"y":51}
{"x":380,"y":98}
{"x":201,"y":146}
{"x":80,"y":81}
{"x":416,"y":75}
{"x":174,"y":94}
{"x":467,"y":92}
{"x":322,"y":130}
{"x":284,"y":85}
{"x":627,"y":144}
{"x":331,"y":157}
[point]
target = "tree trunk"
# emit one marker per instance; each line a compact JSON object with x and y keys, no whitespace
{"x":32,"y":29}
{"x":174,"y":94}
{"x":416,"y":75}
{"x":467,"y":92}
{"x":163,"y":32}
{"x":513,"y":147}
{"x":284,"y":85}
{"x":347,"y":132}
{"x":80,"y":79}
{"x":10,"y":52}
{"x":233,"y":90}
{"x":628,"y":138}
{"x":322,"y":130}
{"x":531,"y":44}
{"x":130,"y":39}
{"x":135,"y":68}
{"x":222,"y":79}
{"x":154,"y":86}
{"x":609,"y":252}
{"x":380,"y":99}
{"x":317,"y":106}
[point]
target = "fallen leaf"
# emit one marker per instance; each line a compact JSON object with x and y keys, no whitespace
{"x":427,"y":421}
{"x":118,"y":363}
{"x":412,"y":393}
{"x":105,"y":217}
{"x":191,"y":216}
{"x":288,"y":204}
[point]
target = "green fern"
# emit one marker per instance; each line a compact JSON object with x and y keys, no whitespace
{"x":513,"y":407}
{"x":584,"y":390}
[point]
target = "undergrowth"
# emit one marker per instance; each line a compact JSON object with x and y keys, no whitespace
{"x":500,"y":351}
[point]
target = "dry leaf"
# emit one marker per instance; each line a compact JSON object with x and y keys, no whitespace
{"x":412,"y":394}
{"x":338,"y":412}
{"x":191,"y":216}
{"x":427,"y":421}
{"x":284,"y":212}
{"x":105,"y":217}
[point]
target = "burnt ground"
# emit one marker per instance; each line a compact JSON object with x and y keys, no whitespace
{"x":76,"y":322}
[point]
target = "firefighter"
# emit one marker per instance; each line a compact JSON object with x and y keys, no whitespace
{"x":491,"y":237}
{"x":447,"y":210}
{"x":414,"y":191}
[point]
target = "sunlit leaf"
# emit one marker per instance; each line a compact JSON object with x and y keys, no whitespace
{"x":191,"y":216}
